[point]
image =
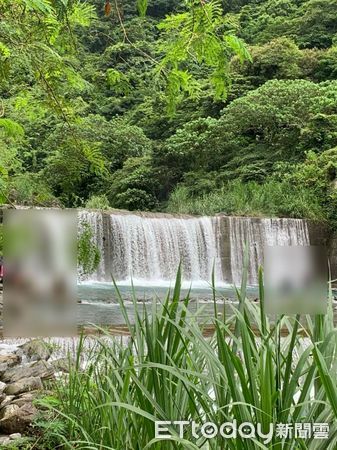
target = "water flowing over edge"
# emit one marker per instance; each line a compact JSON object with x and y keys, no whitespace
{"x":148,"y":250}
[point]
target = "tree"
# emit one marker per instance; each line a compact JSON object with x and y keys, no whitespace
{"x":278,"y":59}
{"x":279,"y":121}
{"x":200,"y":36}
{"x":327,"y":65}
{"x":185,"y":151}
{"x":318,"y":173}
{"x":317,"y":23}
{"x":310,"y":23}
{"x":135,"y":186}
{"x":73,"y":163}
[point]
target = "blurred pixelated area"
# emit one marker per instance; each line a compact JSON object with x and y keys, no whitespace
{"x":40,"y":276}
{"x":40,"y":273}
{"x":296,"y":280}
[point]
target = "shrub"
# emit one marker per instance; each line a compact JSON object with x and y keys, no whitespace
{"x":250,"y":199}
{"x":88,"y":254}
{"x":97,"y":202}
{"x":29,"y":189}
{"x":135,"y":185}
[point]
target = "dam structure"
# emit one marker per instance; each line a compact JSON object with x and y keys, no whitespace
{"x":148,"y":247}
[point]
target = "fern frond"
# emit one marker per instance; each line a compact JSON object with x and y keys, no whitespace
{"x":53,"y":28}
{"x":221,"y":83}
{"x":195,"y":37}
{"x":173,"y":22}
{"x":238,"y":47}
{"x":95,"y":158}
{"x":118,"y":81}
{"x":43,"y":6}
{"x":178,"y":83}
{"x":11,"y":128}
{"x":82,"y":14}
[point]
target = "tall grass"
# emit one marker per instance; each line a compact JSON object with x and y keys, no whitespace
{"x":168,"y":370}
{"x":249,"y":199}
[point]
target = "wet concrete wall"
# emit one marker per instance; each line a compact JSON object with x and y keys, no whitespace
{"x":320,"y":234}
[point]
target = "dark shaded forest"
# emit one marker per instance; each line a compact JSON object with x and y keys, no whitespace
{"x":181,"y":106}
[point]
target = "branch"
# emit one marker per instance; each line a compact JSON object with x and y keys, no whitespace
{"x":126,"y":37}
{"x":2,"y":113}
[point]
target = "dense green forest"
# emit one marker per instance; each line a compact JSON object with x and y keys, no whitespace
{"x":190,"y":106}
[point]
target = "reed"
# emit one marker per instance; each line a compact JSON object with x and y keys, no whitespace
{"x":168,"y":370}
{"x":270,"y":199}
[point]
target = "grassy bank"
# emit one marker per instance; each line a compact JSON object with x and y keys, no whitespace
{"x":271,"y":199}
{"x":169,"y":371}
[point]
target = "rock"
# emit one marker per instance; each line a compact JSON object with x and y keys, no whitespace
{"x":4,"y":440}
{"x":24,"y":385}
{"x":6,"y":401}
{"x":8,"y":411}
{"x":36,"y":350}
{"x":62,"y":364}
{"x":15,"y":436}
{"x":3,"y":368}
{"x":10,"y":359}
{"x":19,"y":402}
{"x":26,"y":397}
{"x":40,"y":369}
{"x":17,"y":420}
{"x":2,"y":387}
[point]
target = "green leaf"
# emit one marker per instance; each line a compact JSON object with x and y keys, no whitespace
{"x":238,"y":46}
{"x":4,"y":50}
{"x":43,"y":6}
{"x":142,"y":7}
{"x":11,"y":128}
{"x":82,"y":14}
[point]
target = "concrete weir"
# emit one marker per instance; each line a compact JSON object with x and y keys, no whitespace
{"x":149,"y":246}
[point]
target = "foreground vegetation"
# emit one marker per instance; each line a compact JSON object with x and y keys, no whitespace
{"x":177,"y":105}
{"x":168,"y":370}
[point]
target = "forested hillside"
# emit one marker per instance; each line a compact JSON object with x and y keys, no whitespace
{"x":185,"y":106}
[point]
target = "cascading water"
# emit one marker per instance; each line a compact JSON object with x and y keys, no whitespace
{"x":151,"y":248}
{"x":257,"y":233}
{"x":148,"y":249}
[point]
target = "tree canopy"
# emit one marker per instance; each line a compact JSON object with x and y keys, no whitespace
{"x":181,"y":105}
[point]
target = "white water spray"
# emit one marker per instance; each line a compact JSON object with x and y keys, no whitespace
{"x":148,"y":249}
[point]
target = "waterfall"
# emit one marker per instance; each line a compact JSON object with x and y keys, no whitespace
{"x":257,"y":233}
{"x":148,"y":248}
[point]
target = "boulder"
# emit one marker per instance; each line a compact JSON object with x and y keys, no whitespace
{"x":3,"y":368}
{"x":15,"y":419}
{"x":4,"y":440}
{"x":26,"y":397}
{"x":36,"y":350}
{"x":2,"y":387}
{"x":10,"y":359}
{"x":14,"y":436}
{"x":40,"y":369}
{"x":24,"y":385}
{"x":8,"y":411}
{"x":62,"y":364}
{"x":6,"y":400}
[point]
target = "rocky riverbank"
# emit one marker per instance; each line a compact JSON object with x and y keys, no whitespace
{"x":24,"y":372}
